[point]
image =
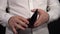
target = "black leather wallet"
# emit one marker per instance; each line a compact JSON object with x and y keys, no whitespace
{"x":31,"y":23}
{"x":33,"y":19}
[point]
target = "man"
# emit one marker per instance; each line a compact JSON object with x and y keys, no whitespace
{"x":21,"y":10}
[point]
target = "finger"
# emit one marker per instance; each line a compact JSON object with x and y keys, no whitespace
{"x":19,"y":27}
{"x":40,"y":11}
{"x":21,"y":23}
{"x":38,"y":24}
{"x":14,"y":30}
{"x":33,"y":10}
{"x":24,"y":20}
{"x":37,"y":21}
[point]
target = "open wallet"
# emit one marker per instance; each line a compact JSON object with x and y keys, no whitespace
{"x":30,"y":25}
{"x":33,"y":19}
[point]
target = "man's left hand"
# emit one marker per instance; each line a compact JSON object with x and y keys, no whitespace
{"x":43,"y":17}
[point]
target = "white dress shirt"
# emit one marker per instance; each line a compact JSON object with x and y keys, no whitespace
{"x":23,"y":8}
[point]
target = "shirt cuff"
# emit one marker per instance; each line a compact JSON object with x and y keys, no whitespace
{"x":5,"y":19}
{"x":52,"y":17}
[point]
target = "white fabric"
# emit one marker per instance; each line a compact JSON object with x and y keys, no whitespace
{"x":31,"y":4}
{"x":23,"y":8}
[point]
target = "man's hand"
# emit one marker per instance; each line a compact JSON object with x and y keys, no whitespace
{"x":17,"y":22}
{"x":43,"y":17}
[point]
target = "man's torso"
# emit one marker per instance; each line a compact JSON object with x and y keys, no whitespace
{"x":22,"y":8}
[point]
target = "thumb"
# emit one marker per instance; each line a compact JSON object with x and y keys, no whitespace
{"x":33,"y":10}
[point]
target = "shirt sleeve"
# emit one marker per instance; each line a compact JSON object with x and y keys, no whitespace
{"x":53,"y":10}
{"x":4,"y":17}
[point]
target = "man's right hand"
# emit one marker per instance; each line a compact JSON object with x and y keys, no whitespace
{"x":18,"y":22}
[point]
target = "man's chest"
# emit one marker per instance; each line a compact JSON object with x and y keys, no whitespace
{"x":28,"y":1}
